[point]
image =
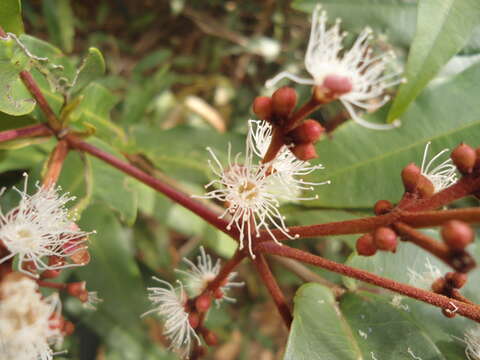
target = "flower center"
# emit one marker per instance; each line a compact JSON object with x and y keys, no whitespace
{"x":248,"y":191}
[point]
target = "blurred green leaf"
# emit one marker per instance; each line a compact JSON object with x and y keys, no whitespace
{"x":60,"y":22}
{"x":364,"y":165}
{"x":11,"y":16}
{"x":443,"y":28}
{"x":362,"y":326}
{"x":93,"y":67}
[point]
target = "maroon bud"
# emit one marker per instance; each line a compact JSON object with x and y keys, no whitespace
{"x":425,"y":187}
{"x":308,"y":132}
{"x":457,"y":234}
{"x":194,"y":319}
{"x":438,"y":286}
{"x":385,"y":239}
{"x":50,"y":274}
{"x":68,"y":328}
{"x":210,"y":337}
{"x":410,"y":177}
{"x":284,"y":101}
{"x":78,"y":289}
{"x":456,"y":280}
{"x":305,"y":152}
{"x":338,"y":84}
{"x":262,"y":107}
{"x":218,"y":294}
{"x":202,"y":303}
{"x":382,"y":207}
{"x":464,"y":158}
{"x":365,"y":245}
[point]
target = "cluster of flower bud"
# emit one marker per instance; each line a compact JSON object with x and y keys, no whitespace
{"x":277,"y":110}
{"x":383,"y":238}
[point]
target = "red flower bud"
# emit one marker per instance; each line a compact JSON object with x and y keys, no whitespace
{"x":194,"y":319}
{"x":305,"y":152}
{"x":81,"y":257}
{"x":438,"y":286}
{"x":365,"y":245}
{"x":410,"y":177}
{"x":68,"y":328}
{"x":50,"y":274}
{"x":456,"y":280}
{"x":262,"y":107}
{"x":385,"y":239}
{"x":425,"y":187}
{"x":202,"y":303}
{"x":218,"y":294}
{"x":457,"y":234}
{"x":382,"y":207}
{"x":210,"y":337}
{"x":284,"y":101}
{"x":464,"y":158}
{"x":77,"y":288}
{"x":308,"y":132}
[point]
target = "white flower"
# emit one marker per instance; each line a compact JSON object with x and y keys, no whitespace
{"x":442,"y":175}
{"x":201,"y":274}
{"x":92,"y":301}
{"x":426,"y":278}
{"x":40,"y":227}
{"x":472,"y":339}
{"x":28,"y":322}
{"x":287,"y":168}
{"x":170,"y":304}
{"x":367,"y":74}
{"x":245,"y":188}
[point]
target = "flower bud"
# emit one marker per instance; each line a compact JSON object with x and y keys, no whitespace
{"x":382,"y":207}
{"x":68,"y":328}
{"x":438,"y":286}
{"x":365,"y":245}
{"x":305,"y":152}
{"x":284,"y":101}
{"x":462,"y":261}
{"x":464,"y":158}
{"x":81,"y":257}
{"x":410,"y":177}
{"x":218,"y":294}
{"x":210,"y":337}
{"x":262,"y":107}
{"x":385,"y":239}
{"x":308,"y":132}
{"x":50,"y":274}
{"x":425,"y":187}
{"x":202,"y":303}
{"x":337,"y":84}
{"x":194,"y":319}
{"x":77,"y":289}
{"x":456,"y":280}
{"x":457,"y":234}
{"x":448,"y":313}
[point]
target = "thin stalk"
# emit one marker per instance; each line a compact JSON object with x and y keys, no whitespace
{"x":55,"y":163}
{"x":25,"y":132}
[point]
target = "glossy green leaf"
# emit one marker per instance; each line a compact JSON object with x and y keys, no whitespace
{"x":60,"y":22}
{"x":364,"y":165}
{"x":395,"y":18}
{"x":93,"y":67}
{"x":443,"y":28}
{"x":11,"y":16}
{"x":362,"y":326}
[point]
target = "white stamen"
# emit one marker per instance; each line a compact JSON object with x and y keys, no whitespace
{"x":442,"y":175}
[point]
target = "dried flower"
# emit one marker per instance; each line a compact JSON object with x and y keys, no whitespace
{"x":170,"y":304}
{"x":28,"y":322}
{"x":199,"y":275}
{"x":472,"y":340}
{"x":425,"y":279}
{"x":367,"y":75}
{"x":40,"y":227}
{"x":442,"y":175}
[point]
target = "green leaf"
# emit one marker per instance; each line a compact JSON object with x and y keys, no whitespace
{"x":11,"y":16}
{"x":93,"y":67}
{"x":443,"y":28}
{"x":364,"y":165}
{"x":362,"y":326}
{"x":60,"y":22}
{"x":395,"y":18}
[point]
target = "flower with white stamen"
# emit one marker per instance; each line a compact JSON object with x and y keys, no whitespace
{"x":245,"y":188}
{"x":201,"y":274}
{"x":40,"y":227}
{"x":170,"y":304}
{"x":425,"y":279}
{"x":472,"y":340}
{"x":367,"y":76}
{"x":28,"y":323}
{"x":288,"y":171}
{"x":442,"y":175}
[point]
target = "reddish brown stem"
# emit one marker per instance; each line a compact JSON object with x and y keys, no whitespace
{"x":226,"y":269}
{"x":273,"y":288}
{"x":275,"y":146}
{"x":51,"y":285}
{"x":299,"y":115}
{"x":55,"y":163}
{"x":25,"y":132}
{"x":467,"y":310}
{"x":436,"y":218}
{"x":179,"y":197}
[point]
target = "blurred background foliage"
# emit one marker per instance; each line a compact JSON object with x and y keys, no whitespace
{"x":181,"y":75}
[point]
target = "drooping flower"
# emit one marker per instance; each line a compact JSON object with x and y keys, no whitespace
{"x":442,"y":175}
{"x":288,"y":172}
{"x":28,"y":323}
{"x":472,"y":340}
{"x":367,"y":76}
{"x":425,"y":279}
{"x":40,"y":227}
{"x":200,"y":274}
{"x":170,"y":305}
